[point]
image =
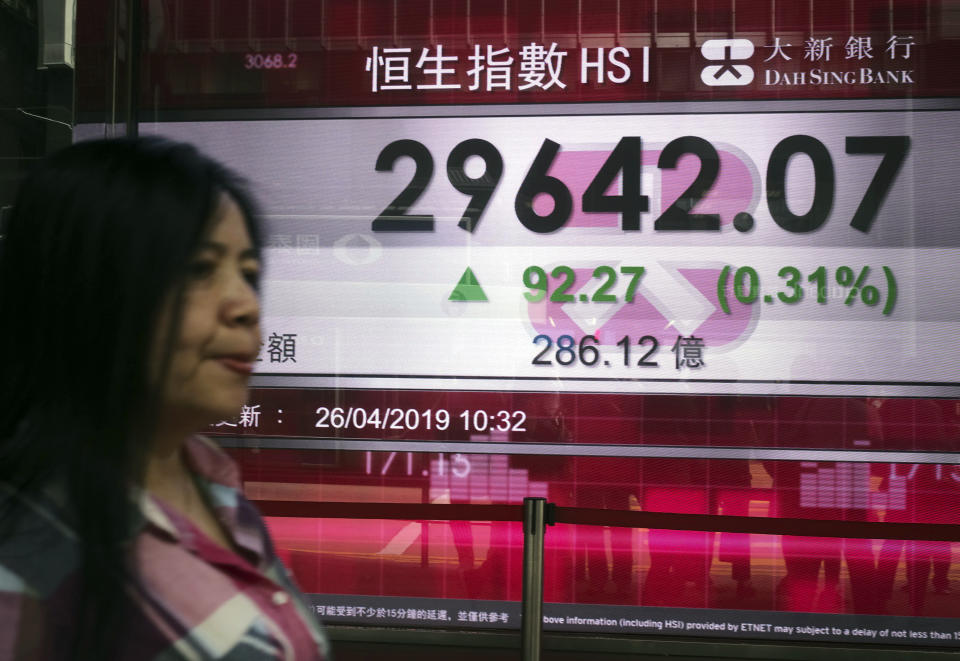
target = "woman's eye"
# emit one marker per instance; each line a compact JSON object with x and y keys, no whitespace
{"x":252,"y":278}
{"x":202,"y":269}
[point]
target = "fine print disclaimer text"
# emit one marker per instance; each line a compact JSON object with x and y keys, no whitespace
{"x":751,"y":626}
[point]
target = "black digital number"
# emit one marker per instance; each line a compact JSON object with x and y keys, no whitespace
{"x":480,"y":189}
{"x":625,"y":160}
{"x":677,"y":216}
{"x":894,"y":149}
{"x":395,"y":218}
{"x":565,"y":347}
{"x":823,"y":187}
{"x":630,"y":203}
{"x":538,"y":359}
{"x":643,"y":362}
{"x":538,"y":181}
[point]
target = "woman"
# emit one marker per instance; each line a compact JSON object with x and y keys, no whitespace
{"x":130,"y":318}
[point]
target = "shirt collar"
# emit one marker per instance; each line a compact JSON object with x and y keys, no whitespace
{"x":210,"y":462}
{"x":218,"y":480}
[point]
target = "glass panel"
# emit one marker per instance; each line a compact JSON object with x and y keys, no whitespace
{"x":782,"y":356}
{"x":36,"y":97}
{"x":612,"y":565}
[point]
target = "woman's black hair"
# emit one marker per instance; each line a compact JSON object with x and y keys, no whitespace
{"x":99,"y":239}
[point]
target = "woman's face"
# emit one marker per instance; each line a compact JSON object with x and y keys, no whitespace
{"x":219,"y":336}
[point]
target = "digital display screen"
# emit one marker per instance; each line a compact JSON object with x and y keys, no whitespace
{"x":672,"y":258}
{"x":748,"y":253}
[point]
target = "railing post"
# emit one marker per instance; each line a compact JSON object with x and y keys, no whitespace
{"x":537,"y":513}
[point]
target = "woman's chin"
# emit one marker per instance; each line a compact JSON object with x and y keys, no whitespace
{"x":201,"y":408}
{"x":227,"y":413}
{"x":238,"y":414}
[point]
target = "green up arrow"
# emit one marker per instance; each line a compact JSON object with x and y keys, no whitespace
{"x":468,"y":289}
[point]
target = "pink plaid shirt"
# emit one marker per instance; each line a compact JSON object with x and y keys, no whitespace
{"x":191,"y":598}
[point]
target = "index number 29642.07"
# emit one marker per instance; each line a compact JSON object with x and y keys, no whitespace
{"x":625,"y":162}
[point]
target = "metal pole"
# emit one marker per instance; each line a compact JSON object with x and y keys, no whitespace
{"x":531,"y":622}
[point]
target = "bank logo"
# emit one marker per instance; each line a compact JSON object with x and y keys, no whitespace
{"x":727,"y":52}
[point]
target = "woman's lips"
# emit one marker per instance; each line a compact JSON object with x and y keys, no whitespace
{"x":237,"y":364}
